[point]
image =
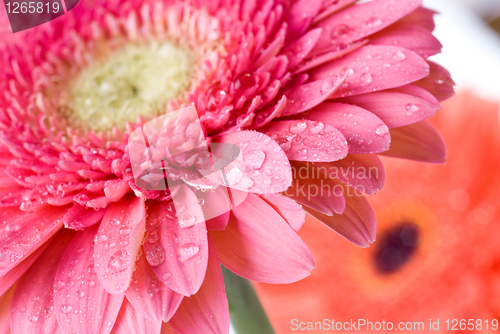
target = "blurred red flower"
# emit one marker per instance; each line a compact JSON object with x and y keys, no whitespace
{"x":437,"y":254}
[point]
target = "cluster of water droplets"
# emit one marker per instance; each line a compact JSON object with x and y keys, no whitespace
{"x":264,"y":162}
{"x":308,"y":140}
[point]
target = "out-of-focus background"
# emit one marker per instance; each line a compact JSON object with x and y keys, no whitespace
{"x":471,"y":45}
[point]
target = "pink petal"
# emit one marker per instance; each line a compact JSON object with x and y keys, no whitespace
{"x":396,"y":107}
{"x":363,"y":172}
{"x":419,"y":141}
{"x":185,"y":236}
{"x":130,"y":321}
{"x":328,"y":57}
{"x":118,"y":241}
{"x":409,"y":36}
{"x":15,"y":273}
{"x":37,"y":284}
{"x":357,"y":224}
{"x":422,"y":17}
{"x":268,"y":114}
{"x":301,"y":14}
{"x":81,"y":303}
{"x":79,"y":217}
{"x":438,"y":82}
{"x":309,"y":95}
{"x":358,"y":22}
{"x":23,"y":233}
{"x":310,"y":188}
{"x":373,"y":68}
{"x":305,"y":140}
{"x":332,"y":8}
{"x":298,"y":50}
{"x":258,"y":244}
{"x":206,"y":311}
{"x":265,"y":162}
{"x":288,"y":209}
{"x":216,"y":204}
{"x":364,"y":132}
{"x":5,"y":309}
{"x":167,"y":329}
{"x":115,"y":190}
{"x":149,"y":296}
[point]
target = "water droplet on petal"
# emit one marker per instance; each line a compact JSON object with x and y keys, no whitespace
{"x":340,"y":31}
{"x":188,"y":251}
{"x":65,"y":308}
{"x":382,"y":129}
{"x":119,"y":261}
{"x":412,"y":107}
{"x":201,"y":201}
{"x":155,"y":255}
{"x":283,"y":143}
{"x":366,"y":79}
{"x":372,"y":22}
{"x":399,"y":56}
{"x":298,"y":126}
{"x":186,"y":220}
{"x":233,"y":175}
{"x":316,"y":127}
{"x":303,"y":151}
{"x":243,"y":145}
{"x":58,"y":285}
{"x":80,"y":293}
{"x":125,"y":231}
{"x":254,"y":159}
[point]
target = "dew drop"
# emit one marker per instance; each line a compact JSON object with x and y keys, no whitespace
{"x":303,"y":151}
{"x":80,"y":293}
{"x":33,"y":318}
{"x":381,"y":130}
{"x":233,"y":175}
{"x":267,"y":181}
{"x":366,"y":79}
{"x":298,"y":127}
{"x":58,"y":285}
{"x":254,"y":159}
{"x":119,"y":261}
{"x":243,"y":145}
{"x":155,"y":255}
{"x":188,"y":251}
{"x":296,"y":140}
{"x":201,"y":201}
{"x":412,"y":107}
{"x":327,"y":85}
{"x":340,"y":31}
{"x":179,"y":207}
{"x":283,"y":143}
{"x":316,"y":127}
{"x":65,"y":308}
{"x":186,"y":220}
{"x":399,"y":56}
{"x":372,"y":22}
{"x":115,"y":222}
{"x":125,"y":231}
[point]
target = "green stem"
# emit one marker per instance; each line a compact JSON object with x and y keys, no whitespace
{"x":246,"y":311}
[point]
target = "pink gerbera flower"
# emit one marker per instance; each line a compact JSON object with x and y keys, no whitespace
{"x":95,"y":240}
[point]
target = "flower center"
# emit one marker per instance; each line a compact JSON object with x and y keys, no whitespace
{"x":135,"y":80}
{"x":396,"y":247}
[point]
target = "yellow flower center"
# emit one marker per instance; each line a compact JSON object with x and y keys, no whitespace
{"x":135,"y":80}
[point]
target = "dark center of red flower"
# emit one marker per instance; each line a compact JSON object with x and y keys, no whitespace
{"x":396,"y":247}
